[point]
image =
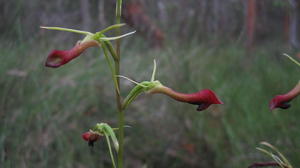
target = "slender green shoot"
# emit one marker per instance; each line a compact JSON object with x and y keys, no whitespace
{"x":292,"y":59}
{"x":277,"y":151}
{"x":279,"y":158}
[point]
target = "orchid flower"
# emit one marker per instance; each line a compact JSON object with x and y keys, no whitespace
{"x":57,"y":58}
{"x":103,"y":129}
{"x":203,"y":98}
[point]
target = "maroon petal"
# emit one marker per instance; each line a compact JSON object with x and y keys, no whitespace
{"x":58,"y":58}
{"x":203,"y":98}
{"x":282,"y":101}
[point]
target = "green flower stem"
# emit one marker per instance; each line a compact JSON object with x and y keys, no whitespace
{"x":110,"y":151}
{"x":118,"y":96}
{"x":121,"y":117}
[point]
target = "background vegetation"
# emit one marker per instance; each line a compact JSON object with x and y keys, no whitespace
{"x":43,"y":111}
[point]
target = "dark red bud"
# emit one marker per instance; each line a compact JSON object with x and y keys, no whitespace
{"x":90,"y":137}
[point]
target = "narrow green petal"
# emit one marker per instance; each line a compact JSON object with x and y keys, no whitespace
{"x":115,"y":26}
{"x":68,"y":30}
{"x":112,"y":135}
{"x":154,"y":71}
{"x":117,"y":37}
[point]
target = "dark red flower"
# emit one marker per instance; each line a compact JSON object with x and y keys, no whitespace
{"x":90,"y":137}
{"x":282,"y":101}
{"x":58,"y":58}
{"x":203,"y":98}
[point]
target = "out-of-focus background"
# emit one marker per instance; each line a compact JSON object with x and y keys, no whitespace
{"x":233,"y":47}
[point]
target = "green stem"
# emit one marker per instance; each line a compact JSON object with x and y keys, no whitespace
{"x":118,"y":96}
{"x":110,"y":151}
{"x":121,"y":122}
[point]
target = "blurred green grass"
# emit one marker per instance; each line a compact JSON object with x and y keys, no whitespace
{"x":44,"y":111}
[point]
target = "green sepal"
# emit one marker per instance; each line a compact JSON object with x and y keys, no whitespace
{"x":115,"y":26}
{"x":109,"y":131}
{"x":105,"y":129}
